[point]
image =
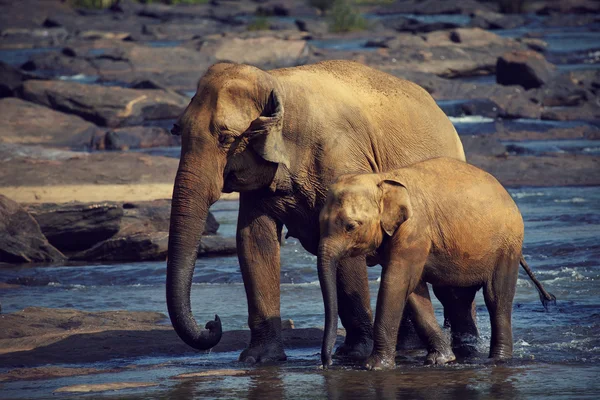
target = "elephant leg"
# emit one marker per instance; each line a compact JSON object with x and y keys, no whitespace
{"x":258,"y":242}
{"x":459,"y":313}
{"x":499,"y":293}
{"x":438,"y":348}
{"x":354,"y":309}
{"x":398,"y":279}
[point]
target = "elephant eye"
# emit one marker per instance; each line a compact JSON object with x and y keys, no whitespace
{"x":350,"y":226}
{"x":226,"y":139}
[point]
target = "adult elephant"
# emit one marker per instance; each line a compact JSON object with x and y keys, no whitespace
{"x":280,"y":138}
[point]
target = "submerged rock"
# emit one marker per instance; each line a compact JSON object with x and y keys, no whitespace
{"x":21,"y":239}
{"x":106,"y":106}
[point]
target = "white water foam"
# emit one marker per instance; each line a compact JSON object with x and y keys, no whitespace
{"x":573,"y":200}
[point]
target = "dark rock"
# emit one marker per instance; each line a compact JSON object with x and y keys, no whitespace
{"x":21,"y":240}
{"x":534,"y":44}
{"x":570,"y":7}
{"x":273,"y":10}
{"x":216,"y":245}
{"x":183,"y":29}
{"x":587,"y":112}
{"x":75,"y":227}
{"x":146,"y":84}
{"x":30,"y":123}
{"x":126,"y":6}
{"x":516,"y":105}
{"x":106,"y":106}
{"x":31,"y":14}
{"x":135,"y":137}
{"x":404,"y":24}
{"x":434,"y":7}
{"x":526,"y":68}
{"x":563,"y":91}
{"x":10,"y":79}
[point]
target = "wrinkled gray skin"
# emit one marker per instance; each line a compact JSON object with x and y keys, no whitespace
{"x":280,"y":138}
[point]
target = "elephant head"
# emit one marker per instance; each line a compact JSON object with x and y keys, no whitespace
{"x":231,"y":141}
{"x":360,"y":211}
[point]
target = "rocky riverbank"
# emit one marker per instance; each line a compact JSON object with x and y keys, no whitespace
{"x":88,"y":95}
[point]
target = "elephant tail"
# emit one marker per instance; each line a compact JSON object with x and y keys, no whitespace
{"x":545,"y":296}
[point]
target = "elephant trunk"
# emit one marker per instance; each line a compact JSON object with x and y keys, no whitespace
{"x":192,"y":196}
{"x":327,"y":261}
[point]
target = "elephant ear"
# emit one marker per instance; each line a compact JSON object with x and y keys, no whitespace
{"x":395,"y":205}
{"x":266,"y":132}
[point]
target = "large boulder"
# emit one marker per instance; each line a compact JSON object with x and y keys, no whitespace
{"x":75,"y":227}
{"x":525,"y":67}
{"x":29,"y":123}
{"x":115,"y":230}
{"x":21,"y":240}
{"x":106,"y":106}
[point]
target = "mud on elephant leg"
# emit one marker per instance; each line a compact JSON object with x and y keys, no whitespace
{"x":459,"y":312}
{"x":439,"y":351}
{"x":354,"y":310}
{"x":258,"y":252}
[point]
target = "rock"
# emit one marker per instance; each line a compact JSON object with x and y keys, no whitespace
{"x":21,"y":240}
{"x":433,"y":7}
{"x":563,"y":91}
{"x":150,"y":246}
{"x":97,"y":35}
{"x":154,"y":216}
{"x":476,"y":37}
{"x":405,"y":24}
{"x":263,"y":52}
{"x":67,"y":336}
{"x":10,"y":79}
{"x":125,"y":172}
{"x":104,"y":387}
{"x":31,"y":14}
{"x":534,"y":44}
{"x":570,"y":7}
{"x":106,"y":106}
{"x":587,"y":112}
{"x":482,"y":145}
{"x":135,"y":137}
{"x":30,"y":123}
{"x":76,"y":227}
{"x":182,"y":29}
{"x":493,"y":20}
{"x":273,"y":10}
{"x":287,"y":324}
{"x":178,"y":68}
{"x":313,"y":26}
{"x":136,"y":247}
{"x":526,"y":68}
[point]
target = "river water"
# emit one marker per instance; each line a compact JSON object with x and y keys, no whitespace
{"x":556,"y":352}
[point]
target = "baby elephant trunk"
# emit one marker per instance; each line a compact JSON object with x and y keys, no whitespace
{"x":327,"y":261}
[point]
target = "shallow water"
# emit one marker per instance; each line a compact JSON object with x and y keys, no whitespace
{"x":556,"y":352}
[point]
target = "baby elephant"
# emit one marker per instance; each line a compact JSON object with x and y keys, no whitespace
{"x":440,"y":221}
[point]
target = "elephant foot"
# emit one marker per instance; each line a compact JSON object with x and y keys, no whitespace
{"x":263,"y":353}
{"x":465,"y":346}
{"x":501,"y":356}
{"x":379,"y":362}
{"x":354,"y":351}
{"x":436,"y":357}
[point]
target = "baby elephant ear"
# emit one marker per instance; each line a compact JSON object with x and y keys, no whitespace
{"x":266,"y":135}
{"x":395,"y":205}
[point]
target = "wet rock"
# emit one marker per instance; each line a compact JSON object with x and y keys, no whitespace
{"x":135,"y":137}
{"x":75,"y":227}
{"x":106,"y":106}
{"x":534,"y":44}
{"x":526,"y":68}
{"x":214,"y":245}
{"x":212,"y":373}
{"x":51,"y":372}
{"x":263,"y":52}
{"x":586,"y":112}
{"x":563,"y":91}
{"x":41,"y":37}
{"x":30,"y":123}
{"x":475,"y":37}
{"x":21,"y":240}
{"x":31,"y":14}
